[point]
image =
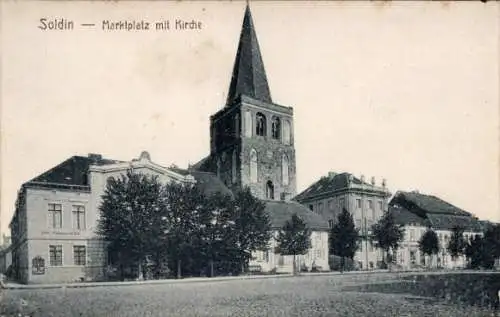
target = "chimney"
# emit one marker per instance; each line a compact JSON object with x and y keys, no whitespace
{"x":373,"y":181}
{"x":384,"y":183}
{"x":95,"y":157}
{"x":362,"y":178}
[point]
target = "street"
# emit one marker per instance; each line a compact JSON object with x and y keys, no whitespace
{"x":291,"y":296}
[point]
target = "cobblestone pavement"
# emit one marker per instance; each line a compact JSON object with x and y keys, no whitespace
{"x":294,"y":296}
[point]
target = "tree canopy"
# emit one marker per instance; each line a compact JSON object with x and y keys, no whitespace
{"x":387,"y":234}
{"x":344,"y":237}
{"x":294,"y":238}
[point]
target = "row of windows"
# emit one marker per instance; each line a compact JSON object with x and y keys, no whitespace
{"x":341,"y":204}
{"x":278,"y":131}
{"x":443,"y":237}
{"x":56,"y":216}
{"x":56,"y":255}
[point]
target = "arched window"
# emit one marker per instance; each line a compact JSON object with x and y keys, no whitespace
{"x":260,"y":124}
{"x":286,"y":132}
{"x":284,"y":169}
{"x":237,"y":125}
{"x":218,"y":167}
{"x":269,"y":190}
{"x":253,"y":166}
{"x":276,"y":128}
{"x":248,"y":124}
{"x":233,"y":167}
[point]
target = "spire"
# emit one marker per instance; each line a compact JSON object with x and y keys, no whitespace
{"x":249,"y":77}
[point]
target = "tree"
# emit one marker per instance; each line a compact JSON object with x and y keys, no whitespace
{"x":129,"y":209}
{"x":252,"y":228}
{"x":182,"y":208}
{"x":429,"y":242}
{"x":344,"y":237}
{"x":456,"y":245}
{"x":217,"y":226}
{"x":492,"y":243}
{"x":294,"y":239}
{"x":387,"y":234}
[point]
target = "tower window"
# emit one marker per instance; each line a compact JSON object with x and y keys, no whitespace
{"x":284,"y":166}
{"x":233,"y":167}
{"x":253,"y":166}
{"x":260,"y":128}
{"x":269,"y":190}
{"x":248,"y":124}
{"x":276,"y":128}
{"x":286,"y":132}
{"x":218,"y":167}
{"x":237,"y":125}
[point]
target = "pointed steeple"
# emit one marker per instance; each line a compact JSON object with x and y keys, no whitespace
{"x":249,"y":77}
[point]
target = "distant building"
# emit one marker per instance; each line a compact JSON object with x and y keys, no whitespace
{"x":5,"y":254}
{"x":417,"y":212}
{"x":365,"y":201}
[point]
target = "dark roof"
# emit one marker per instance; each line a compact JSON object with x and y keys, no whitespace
{"x":209,"y":183}
{"x":448,"y":222}
{"x":249,"y":76}
{"x":403,"y":216}
{"x":327,"y":184}
{"x":281,"y":211}
{"x":437,"y":213}
{"x":72,"y":171}
{"x":427,"y":204}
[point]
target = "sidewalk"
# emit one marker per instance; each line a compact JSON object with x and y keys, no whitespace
{"x":14,"y":286}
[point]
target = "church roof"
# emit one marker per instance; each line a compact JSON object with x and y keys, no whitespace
{"x":282,"y":211}
{"x":249,"y":76}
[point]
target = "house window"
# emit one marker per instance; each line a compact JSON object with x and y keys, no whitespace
{"x":55,"y":252}
{"x":370,"y":204}
{"x":78,"y":217}
{"x":79,"y":255}
{"x":320,"y":208}
{"x":260,"y":127}
{"x":358,"y":203}
{"x":341,"y":203}
{"x":284,"y":169}
{"x":55,"y":212}
{"x":269,"y":190}
{"x":330,"y":223}
{"x":412,"y":234}
{"x":248,"y":124}
{"x":286,"y":132}
{"x":330,"y":204}
{"x":276,"y":128}
{"x":380,"y":207}
{"x":413,"y":257}
{"x":253,"y":166}
{"x":311,"y":207}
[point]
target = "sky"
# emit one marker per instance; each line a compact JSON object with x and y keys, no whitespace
{"x":406,"y":91}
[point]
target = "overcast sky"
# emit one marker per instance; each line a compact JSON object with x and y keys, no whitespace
{"x":402,"y":91}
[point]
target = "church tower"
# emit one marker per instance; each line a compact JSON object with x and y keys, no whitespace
{"x":252,"y":137}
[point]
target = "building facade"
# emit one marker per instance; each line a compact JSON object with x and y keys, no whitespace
{"x":417,"y":212}
{"x":54,"y":225}
{"x":365,"y":201}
